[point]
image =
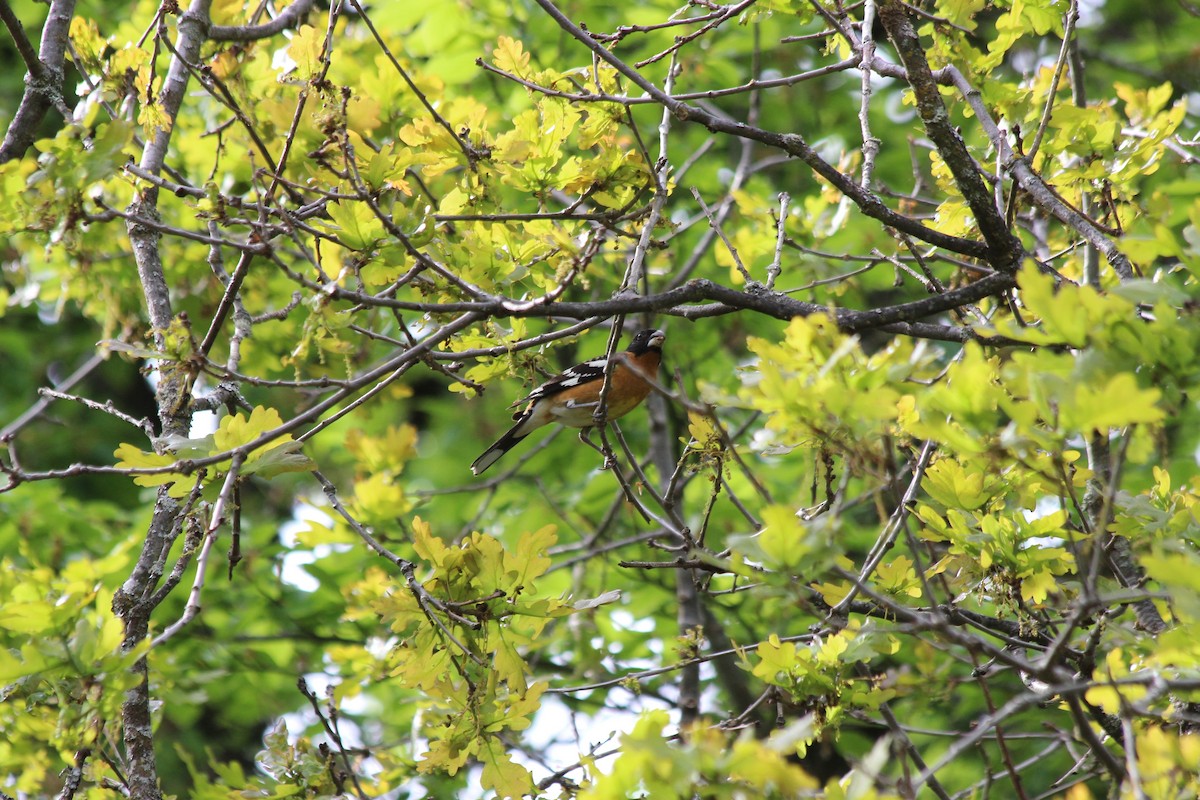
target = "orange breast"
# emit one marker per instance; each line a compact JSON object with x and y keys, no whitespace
{"x":628,"y":389}
{"x":575,"y":406}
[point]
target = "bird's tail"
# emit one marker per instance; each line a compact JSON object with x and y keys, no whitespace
{"x":502,"y":445}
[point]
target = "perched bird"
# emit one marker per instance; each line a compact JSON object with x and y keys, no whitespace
{"x":571,"y":398}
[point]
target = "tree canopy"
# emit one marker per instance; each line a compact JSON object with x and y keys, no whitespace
{"x":913,"y":509}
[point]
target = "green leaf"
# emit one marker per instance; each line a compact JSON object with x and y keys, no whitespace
{"x":305,"y":50}
{"x":501,"y":775}
{"x":355,"y":225}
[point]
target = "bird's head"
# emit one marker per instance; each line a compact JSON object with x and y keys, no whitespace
{"x":646,"y":339}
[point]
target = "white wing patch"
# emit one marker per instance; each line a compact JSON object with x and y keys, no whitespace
{"x":576,"y":375}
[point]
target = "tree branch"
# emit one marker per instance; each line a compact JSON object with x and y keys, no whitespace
{"x":674,"y":301}
{"x":171,"y":396}
{"x":1004,"y":248}
{"x":44,"y":79}
{"x":290,"y":17}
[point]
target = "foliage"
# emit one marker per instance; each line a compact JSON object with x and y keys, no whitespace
{"x":914,"y":511}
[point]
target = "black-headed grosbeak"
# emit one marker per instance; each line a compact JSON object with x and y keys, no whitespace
{"x":571,"y":398}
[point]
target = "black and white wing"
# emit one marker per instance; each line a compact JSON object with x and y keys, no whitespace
{"x":575,"y":376}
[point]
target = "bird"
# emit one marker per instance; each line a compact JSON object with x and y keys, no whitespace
{"x":572,"y":397}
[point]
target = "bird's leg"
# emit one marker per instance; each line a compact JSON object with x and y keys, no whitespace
{"x":585,"y":436}
{"x":610,"y":455}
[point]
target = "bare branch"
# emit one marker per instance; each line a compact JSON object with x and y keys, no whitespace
{"x":1004,"y":249}
{"x":290,"y":17}
{"x":44,"y":77}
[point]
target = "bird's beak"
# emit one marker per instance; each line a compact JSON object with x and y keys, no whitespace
{"x":657,"y":338}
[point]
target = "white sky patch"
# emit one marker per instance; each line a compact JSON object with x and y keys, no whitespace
{"x":204,"y":423}
{"x":1089,"y":13}
{"x":281,"y":62}
{"x":628,"y":622}
{"x":291,"y":570}
{"x":1044,"y":508}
